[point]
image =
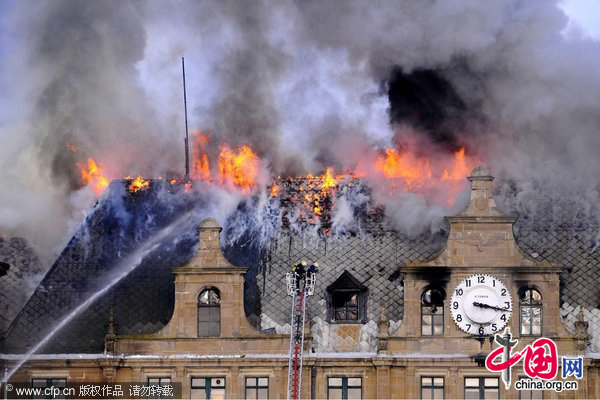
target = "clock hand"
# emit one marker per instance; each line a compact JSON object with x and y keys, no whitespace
{"x":482,"y":305}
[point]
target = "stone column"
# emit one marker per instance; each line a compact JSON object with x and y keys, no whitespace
{"x":278,"y":384}
{"x":236,"y":387}
{"x":452,"y":387}
{"x":383,"y":379}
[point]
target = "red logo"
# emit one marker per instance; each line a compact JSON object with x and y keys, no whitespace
{"x":540,"y":359}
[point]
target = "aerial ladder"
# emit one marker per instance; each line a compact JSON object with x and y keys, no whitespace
{"x":300,"y":284}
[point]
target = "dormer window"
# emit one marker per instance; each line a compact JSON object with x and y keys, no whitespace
{"x":209,"y":313}
{"x":346,"y":299}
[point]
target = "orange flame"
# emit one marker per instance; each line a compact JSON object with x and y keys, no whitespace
{"x":138,"y":184}
{"x":274,"y":189}
{"x":91,"y":174}
{"x":459,"y":168}
{"x":239,"y":169}
{"x":330,"y":182}
{"x":404,"y":166}
{"x":200,"y":166}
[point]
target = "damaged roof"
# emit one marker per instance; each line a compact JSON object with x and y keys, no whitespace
{"x":143,"y":300}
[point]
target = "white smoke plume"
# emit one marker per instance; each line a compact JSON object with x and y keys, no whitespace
{"x":307,"y":84}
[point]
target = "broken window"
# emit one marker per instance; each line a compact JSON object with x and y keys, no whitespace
{"x":209,"y":313}
{"x":347,"y":299}
{"x":531,"y":312}
{"x":432,"y":312}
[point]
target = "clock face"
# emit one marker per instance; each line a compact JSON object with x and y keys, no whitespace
{"x":481,"y":305}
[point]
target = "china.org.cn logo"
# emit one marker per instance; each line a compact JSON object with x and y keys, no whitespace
{"x":540,"y":362}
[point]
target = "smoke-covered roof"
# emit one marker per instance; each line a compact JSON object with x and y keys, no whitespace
{"x":143,"y":301}
{"x":22,"y":277}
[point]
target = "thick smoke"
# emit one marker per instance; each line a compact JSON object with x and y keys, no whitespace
{"x":307,"y":84}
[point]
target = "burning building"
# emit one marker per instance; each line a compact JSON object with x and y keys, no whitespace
{"x":382,"y":323}
{"x":388,"y":106}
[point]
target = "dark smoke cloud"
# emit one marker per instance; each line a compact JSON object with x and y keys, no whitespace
{"x":426,"y":100}
{"x":307,"y":84}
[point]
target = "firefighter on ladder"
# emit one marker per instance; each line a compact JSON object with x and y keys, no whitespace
{"x":301,"y":281}
{"x":303,"y":274}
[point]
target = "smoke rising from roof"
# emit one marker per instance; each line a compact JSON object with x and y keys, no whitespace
{"x":307,"y":84}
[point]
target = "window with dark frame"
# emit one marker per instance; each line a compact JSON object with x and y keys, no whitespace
{"x":257,"y":388}
{"x":44,"y":383}
{"x":432,"y":312}
{"x":158,"y":382}
{"x":346,"y":299}
{"x":530,"y":394}
{"x":482,"y":388}
{"x":207,"y":388}
{"x":531,"y":310}
{"x":344,"y":388}
{"x":432,"y":387}
{"x":209,"y":313}
{"x":345,"y":305}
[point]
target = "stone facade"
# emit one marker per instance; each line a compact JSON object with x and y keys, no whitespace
{"x":387,"y":350}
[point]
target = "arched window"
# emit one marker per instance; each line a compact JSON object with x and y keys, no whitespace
{"x":209,"y":313}
{"x":531,"y":312}
{"x":432,"y":312}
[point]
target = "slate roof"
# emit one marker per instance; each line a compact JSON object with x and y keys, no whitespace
{"x":373,"y":259}
{"x":19,"y":283}
{"x":143,"y":301}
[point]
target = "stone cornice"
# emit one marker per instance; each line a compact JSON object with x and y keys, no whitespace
{"x":190,"y":270}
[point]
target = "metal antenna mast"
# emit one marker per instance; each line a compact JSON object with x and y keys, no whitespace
{"x":186,"y":140}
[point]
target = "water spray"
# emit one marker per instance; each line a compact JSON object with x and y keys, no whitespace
{"x":125,"y":267}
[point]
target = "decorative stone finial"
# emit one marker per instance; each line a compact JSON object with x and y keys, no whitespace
{"x":109,"y":338}
{"x":210,"y":223}
{"x":482,"y":201}
{"x":383,"y":326}
{"x":479,"y":172}
{"x":383,"y":323}
{"x":209,"y":248}
{"x":383,"y":314}
{"x":210,"y":231}
{"x":581,"y":331}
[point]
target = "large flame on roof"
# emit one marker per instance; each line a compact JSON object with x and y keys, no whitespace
{"x":200,"y":165}
{"x":418,"y":171}
{"x":138,"y":184}
{"x":408,"y":171}
{"x":238,"y":168}
{"x":329,"y":179}
{"x":459,"y":169}
{"x":414,"y":171}
{"x":405,"y":168}
{"x":92,"y":175}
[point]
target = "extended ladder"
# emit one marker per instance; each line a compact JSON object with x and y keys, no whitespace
{"x":300,"y":285}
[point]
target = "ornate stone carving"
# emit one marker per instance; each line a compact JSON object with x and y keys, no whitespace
{"x":581,"y":331}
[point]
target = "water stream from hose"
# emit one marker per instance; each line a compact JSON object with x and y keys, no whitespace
{"x":125,"y":267}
